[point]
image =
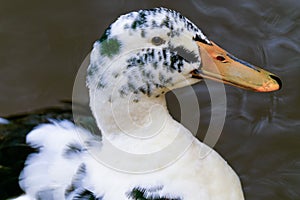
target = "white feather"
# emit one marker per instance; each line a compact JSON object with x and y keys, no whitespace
{"x":49,"y":169}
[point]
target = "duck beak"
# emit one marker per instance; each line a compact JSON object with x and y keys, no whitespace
{"x":217,"y":64}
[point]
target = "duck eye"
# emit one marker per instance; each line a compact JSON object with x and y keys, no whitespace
{"x":157,"y":41}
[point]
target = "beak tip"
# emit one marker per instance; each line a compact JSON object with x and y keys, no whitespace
{"x":268,"y":89}
{"x":272,"y":85}
{"x":278,"y":81}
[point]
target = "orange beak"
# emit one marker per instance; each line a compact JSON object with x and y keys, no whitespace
{"x":219,"y":65}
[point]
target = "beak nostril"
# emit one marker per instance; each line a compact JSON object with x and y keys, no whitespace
{"x":220,"y":58}
{"x":277,"y":79}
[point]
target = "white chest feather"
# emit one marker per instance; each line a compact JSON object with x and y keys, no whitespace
{"x":65,"y":168}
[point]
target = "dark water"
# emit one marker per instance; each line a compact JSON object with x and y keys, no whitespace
{"x":42,"y":45}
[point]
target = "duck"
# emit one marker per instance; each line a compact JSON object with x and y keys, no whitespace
{"x":142,"y":152}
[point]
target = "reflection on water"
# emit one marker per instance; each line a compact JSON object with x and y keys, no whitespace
{"x":43,"y":44}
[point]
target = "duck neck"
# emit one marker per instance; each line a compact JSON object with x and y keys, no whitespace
{"x":135,"y":124}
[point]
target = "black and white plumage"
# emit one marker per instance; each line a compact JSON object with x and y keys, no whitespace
{"x":139,"y":58}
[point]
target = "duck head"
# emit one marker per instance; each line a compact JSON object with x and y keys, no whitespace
{"x":158,"y":49}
